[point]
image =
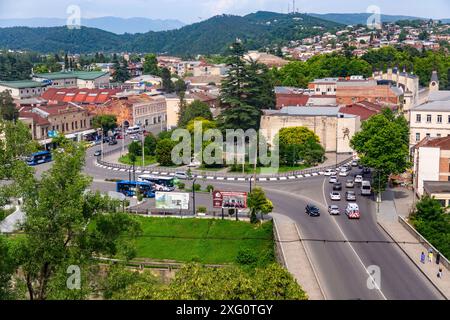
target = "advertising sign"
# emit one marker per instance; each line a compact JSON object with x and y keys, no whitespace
{"x":172,"y":201}
{"x":226,"y":199}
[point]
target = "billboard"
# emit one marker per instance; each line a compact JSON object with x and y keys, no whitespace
{"x":226,"y":199}
{"x":172,"y":200}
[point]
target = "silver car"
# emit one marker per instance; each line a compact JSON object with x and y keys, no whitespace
{"x":334,"y":210}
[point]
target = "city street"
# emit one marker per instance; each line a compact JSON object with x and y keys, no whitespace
{"x":341,"y":249}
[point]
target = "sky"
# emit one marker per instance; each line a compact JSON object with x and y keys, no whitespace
{"x":190,"y":11}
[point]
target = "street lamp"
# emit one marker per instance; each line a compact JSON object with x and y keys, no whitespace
{"x":193,"y":196}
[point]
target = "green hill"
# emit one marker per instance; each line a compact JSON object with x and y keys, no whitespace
{"x":257,"y":30}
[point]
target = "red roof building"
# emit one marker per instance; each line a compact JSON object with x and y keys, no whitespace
{"x":79,"y":96}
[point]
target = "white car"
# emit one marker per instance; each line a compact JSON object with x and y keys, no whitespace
{"x":334,"y":210}
{"x":343,"y":173}
{"x":352,"y":211}
{"x":182,"y":175}
{"x":359,"y":179}
{"x":330,"y":172}
{"x":335,"y":196}
{"x":333,"y":179}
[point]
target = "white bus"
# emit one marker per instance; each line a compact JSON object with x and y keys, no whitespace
{"x":166,"y":184}
{"x":366,"y":188}
{"x":134,"y":130}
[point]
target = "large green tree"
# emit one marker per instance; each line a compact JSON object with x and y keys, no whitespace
{"x":107,"y":122}
{"x":167,"y":83}
{"x":194,"y":110}
{"x":383,"y":144}
{"x":151,"y":65}
{"x":63,"y":233}
{"x":8,"y":110}
{"x":258,"y":203}
{"x":164,"y":152}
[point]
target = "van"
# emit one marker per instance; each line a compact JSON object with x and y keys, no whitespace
{"x":352,"y":211}
{"x":134,"y":130}
{"x":366,"y":188}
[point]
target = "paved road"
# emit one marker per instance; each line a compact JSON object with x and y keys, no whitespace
{"x":341,"y":266}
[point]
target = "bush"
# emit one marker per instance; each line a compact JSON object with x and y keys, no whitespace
{"x":246,"y":257}
{"x":210,"y":188}
{"x":202,"y":209}
{"x":181,"y":186}
{"x":197,"y":187}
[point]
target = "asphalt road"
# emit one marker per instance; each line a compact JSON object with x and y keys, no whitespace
{"x":340,"y":259}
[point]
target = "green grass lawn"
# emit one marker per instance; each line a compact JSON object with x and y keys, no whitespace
{"x":148,"y":160}
{"x":204,"y":240}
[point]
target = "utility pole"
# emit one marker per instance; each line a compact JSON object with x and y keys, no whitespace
{"x":193,"y":196}
{"x":143,"y":151}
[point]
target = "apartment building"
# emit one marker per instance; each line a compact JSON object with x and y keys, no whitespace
{"x":431,"y":162}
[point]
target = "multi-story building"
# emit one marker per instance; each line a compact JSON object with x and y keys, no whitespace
{"x":334,"y":129}
{"x":143,"y":110}
{"x":69,"y":120}
{"x":74,"y":79}
{"x":431,"y":162}
{"x":353,"y":91}
{"x":24,"y":89}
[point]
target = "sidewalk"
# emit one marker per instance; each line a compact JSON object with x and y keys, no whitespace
{"x":295,"y":256}
{"x":401,"y":206}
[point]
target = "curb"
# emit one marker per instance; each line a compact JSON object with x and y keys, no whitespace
{"x":319,"y":172}
{"x":413,"y":261}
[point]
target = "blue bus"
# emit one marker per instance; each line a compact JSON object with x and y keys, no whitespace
{"x":129,"y":188}
{"x":39,"y":158}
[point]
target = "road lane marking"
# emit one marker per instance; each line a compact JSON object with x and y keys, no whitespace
{"x":350,"y":245}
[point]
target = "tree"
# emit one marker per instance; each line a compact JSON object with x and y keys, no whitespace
{"x":150,"y":144}
{"x":121,"y":73}
{"x":259,"y":86}
{"x":8,"y":110}
{"x":299,"y":143}
{"x":233,"y":86}
{"x":180,"y":86}
{"x":194,"y":110}
{"x":151,"y":65}
{"x":258,"y":203}
{"x":135,"y":149}
{"x":106,"y":122}
{"x":383,"y":144}
{"x":164,"y":152}
{"x":7,"y":268}
{"x":167,"y":84}
{"x":66,"y":230}
{"x":240,"y":117}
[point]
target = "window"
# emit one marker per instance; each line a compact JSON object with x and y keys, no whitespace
{"x":417,"y":137}
{"x":418,"y":118}
{"x":439,"y":119}
{"x":429,"y":118}
{"x":428,"y":135}
{"x":438,"y":135}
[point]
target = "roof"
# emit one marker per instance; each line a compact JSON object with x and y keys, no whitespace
{"x":291,"y":99}
{"x":441,"y":95}
{"x":443,"y":143}
{"x":37,"y":119}
{"x":83,"y":75}
{"x":22,"y":84}
{"x":363,"y":109}
{"x":82,"y":96}
{"x":436,"y":187}
{"x":327,"y":111}
{"x":434,"y":106}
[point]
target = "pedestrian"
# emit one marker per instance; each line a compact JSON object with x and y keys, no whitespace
{"x":422,"y":257}
{"x":430,"y":256}
{"x":439,"y":275}
{"x":438,"y":258}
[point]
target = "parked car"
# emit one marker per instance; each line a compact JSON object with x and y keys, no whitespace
{"x":352,"y":211}
{"x":334,"y":210}
{"x":312,"y":211}
{"x":112,"y":142}
{"x":337,"y":186}
{"x":350,"y":196}
{"x":335,"y":196}
{"x":98,"y":153}
{"x":333,"y":179}
{"x":350,"y":184}
{"x":359,"y":179}
{"x":330,"y":172}
{"x":366,"y":170}
{"x":354,"y":163}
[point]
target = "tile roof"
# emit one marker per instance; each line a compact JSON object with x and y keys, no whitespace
{"x":81,"y":96}
{"x":443,"y":143}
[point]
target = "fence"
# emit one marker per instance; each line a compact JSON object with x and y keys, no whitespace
{"x":422,"y":240}
{"x":200,"y":173}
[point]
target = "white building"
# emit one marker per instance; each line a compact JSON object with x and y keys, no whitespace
{"x":24,"y":89}
{"x":74,"y":79}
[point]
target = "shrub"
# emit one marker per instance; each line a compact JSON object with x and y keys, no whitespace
{"x":246,"y":257}
{"x":202,"y":209}
{"x":197,"y":187}
{"x":210,"y":188}
{"x":181,"y":186}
